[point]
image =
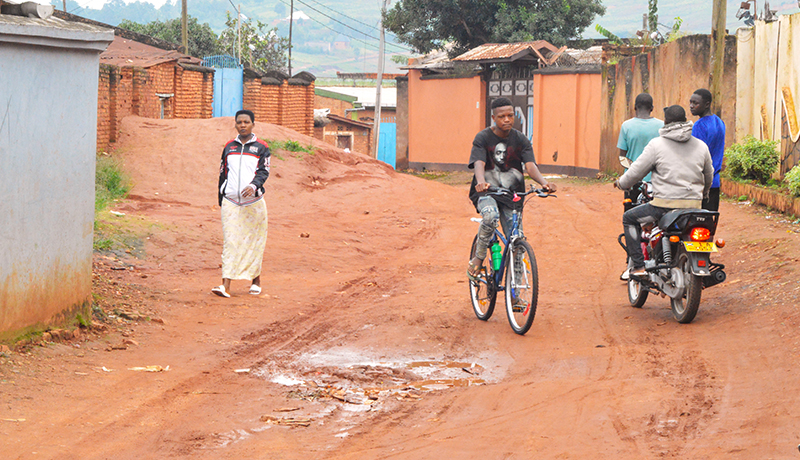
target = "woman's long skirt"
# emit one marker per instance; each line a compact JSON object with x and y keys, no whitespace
{"x":244,"y":236}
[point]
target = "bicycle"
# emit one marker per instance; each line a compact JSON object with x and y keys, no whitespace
{"x":521,"y":273}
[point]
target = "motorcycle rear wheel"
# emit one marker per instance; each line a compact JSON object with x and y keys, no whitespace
{"x":684,"y":308}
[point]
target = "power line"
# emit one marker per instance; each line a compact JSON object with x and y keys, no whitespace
{"x":348,"y":26}
{"x":348,"y":17}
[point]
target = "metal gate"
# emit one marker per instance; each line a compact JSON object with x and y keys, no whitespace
{"x":517,"y":85}
{"x":228,"y":85}
{"x":387,"y":144}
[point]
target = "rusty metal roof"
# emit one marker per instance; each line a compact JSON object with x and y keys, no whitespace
{"x":510,"y":52}
{"x":123,"y":52}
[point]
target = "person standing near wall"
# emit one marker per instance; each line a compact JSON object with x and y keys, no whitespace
{"x":634,"y":135}
{"x":243,"y":170}
{"x":711,"y":130}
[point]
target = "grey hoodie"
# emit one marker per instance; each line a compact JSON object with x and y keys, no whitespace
{"x":681,"y":166}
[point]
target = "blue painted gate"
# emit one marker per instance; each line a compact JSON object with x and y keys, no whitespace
{"x":228,"y":85}
{"x":387,"y":144}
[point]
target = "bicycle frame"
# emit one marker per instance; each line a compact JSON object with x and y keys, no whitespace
{"x":515,"y":233}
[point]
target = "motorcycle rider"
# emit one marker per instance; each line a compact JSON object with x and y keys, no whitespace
{"x":682,"y":174}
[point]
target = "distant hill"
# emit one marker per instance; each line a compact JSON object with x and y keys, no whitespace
{"x":357,"y":21}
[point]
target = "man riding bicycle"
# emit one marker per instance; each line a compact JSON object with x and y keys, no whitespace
{"x":498,"y":155}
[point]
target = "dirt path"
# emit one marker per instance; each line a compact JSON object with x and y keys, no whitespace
{"x":365,"y":333}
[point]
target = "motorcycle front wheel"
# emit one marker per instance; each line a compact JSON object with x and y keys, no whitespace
{"x":684,"y":308}
{"x":637,"y":293}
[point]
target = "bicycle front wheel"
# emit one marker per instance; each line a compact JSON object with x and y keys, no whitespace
{"x":522,"y":286}
{"x":482,"y":292}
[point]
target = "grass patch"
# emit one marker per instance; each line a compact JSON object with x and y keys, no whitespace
{"x":110,"y":182}
{"x":290,"y":146}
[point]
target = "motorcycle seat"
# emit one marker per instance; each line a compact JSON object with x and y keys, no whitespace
{"x":672,"y":220}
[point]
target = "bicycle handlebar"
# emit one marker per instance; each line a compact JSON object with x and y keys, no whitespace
{"x":540,"y":192}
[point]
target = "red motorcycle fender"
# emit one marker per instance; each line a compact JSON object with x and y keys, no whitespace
{"x":700,"y":263}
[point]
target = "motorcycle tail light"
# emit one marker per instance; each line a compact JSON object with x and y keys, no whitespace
{"x":674,"y":239}
{"x":700,"y":234}
{"x":720,"y":243}
{"x":701,"y":263}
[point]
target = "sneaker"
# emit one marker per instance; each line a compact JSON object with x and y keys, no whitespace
{"x":626,"y":275}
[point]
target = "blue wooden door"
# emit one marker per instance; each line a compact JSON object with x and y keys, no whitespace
{"x":387,"y":144}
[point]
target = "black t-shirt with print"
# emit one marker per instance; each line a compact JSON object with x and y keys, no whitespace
{"x":504,"y":158}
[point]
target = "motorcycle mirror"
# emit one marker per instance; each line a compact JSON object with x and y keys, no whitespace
{"x":625,"y":162}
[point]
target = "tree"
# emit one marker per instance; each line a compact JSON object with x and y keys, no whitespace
{"x":202,"y":40}
{"x":430,"y":24}
{"x":260,"y":48}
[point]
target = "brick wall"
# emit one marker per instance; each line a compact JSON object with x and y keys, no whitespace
{"x":251,"y":99}
{"x":337,"y":106}
{"x":132,"y":91}
{"x":194,"y":92}
{"x":282,"y":101}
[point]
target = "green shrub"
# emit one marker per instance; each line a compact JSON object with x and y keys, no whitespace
{"x":752,"y":160}
{"x":110,"y":183}
{"x":793,"y":180}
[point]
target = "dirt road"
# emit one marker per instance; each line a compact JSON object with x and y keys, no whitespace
{"x":363,"y":344}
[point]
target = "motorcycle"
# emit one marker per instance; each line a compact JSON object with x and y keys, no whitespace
{"x":677,"y":253}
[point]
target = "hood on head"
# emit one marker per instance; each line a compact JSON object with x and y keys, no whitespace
{"x":680,"y":131}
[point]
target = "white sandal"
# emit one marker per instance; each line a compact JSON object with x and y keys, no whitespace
{"x":220,"y":291}
{"x":255,"y":290}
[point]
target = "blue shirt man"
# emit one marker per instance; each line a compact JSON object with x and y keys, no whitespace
{"x":711,"y":130}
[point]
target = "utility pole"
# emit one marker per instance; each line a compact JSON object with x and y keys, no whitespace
{"x":65,"y":5}
{"x":239,"y":33}
{"x":184,"y":26}
{"x":717,"y":54}
{"x":291,"y":21}
{"x":376,"y":127}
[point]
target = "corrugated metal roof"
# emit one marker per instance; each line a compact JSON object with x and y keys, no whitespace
{"x":123,"y":52}
{"x":506,"y":51}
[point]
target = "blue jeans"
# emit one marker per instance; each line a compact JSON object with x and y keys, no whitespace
{"x":631,"y":224}
{"x":491,"y":212}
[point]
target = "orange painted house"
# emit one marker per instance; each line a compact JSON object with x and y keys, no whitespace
{"x":557,"y":105}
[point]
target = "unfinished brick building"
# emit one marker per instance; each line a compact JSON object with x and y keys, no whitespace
{"x":275,"y":98}
{"x":139,"y":79}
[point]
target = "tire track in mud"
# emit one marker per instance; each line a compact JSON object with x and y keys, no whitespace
{"x":677,"y":419}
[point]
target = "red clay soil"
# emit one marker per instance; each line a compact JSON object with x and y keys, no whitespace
{"x":363,"y":344}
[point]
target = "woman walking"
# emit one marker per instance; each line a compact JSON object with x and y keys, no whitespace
{"x":242,"y":173}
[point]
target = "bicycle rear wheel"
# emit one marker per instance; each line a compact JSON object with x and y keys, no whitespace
{"x":483,"y":292}
{"x":522,"y":286}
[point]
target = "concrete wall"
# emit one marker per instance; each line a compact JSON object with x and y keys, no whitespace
{"x":48,"y":142}
{"x":670,"y":73}
{"x":402,"y":123}
{"x":443,"y":117}
{"x":768,"y":79}
{"x":566,"y":132}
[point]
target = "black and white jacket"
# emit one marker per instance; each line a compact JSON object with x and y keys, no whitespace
{"x":243,"y":165}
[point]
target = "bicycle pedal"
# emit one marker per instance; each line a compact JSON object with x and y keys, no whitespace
{"x":518,"y":308}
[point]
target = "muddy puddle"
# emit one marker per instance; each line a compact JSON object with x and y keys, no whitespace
{"x":348,"y":382}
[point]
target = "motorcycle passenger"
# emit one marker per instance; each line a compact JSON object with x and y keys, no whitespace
{"x":498,"y":155}
{"x":634,"y":134}
{"x":682,"y":174}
